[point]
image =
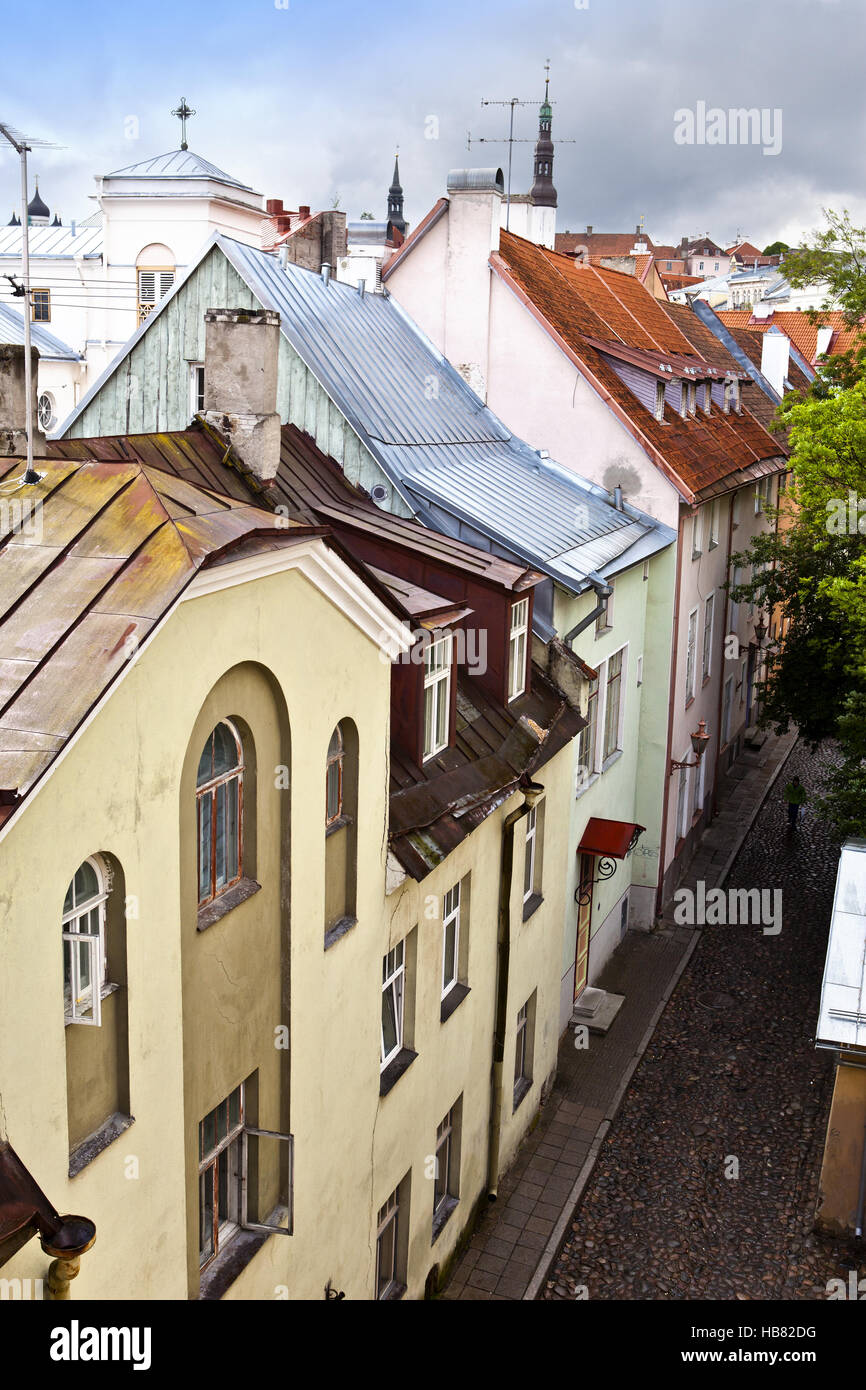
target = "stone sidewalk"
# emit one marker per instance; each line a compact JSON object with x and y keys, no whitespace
{"x":517,"y":1238}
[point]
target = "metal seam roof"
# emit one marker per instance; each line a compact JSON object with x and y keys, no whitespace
{"x":50,"y":348}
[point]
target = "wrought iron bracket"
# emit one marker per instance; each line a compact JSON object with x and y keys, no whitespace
{"x":606,"y":869}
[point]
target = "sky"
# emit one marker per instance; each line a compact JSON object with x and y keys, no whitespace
{"x":307,"y":100}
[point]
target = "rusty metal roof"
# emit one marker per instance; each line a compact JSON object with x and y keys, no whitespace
{"x":91,"y":558}
{"x":434,"y":808}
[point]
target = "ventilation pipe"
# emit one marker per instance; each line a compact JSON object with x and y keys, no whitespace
{"x":326,"y":273}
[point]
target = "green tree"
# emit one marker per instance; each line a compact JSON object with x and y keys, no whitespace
{"x":836,"y":257}
{"x":776,"y":248}
{"x":815,"y":568}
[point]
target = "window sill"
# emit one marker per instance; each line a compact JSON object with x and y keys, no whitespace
{"x":689,"y":702}
{"x":706,"y":680}
{"x":611,"y":759}
{"x":233,"y":1260}
{"x":211,"y":912}
{"x":395,"y":1069}
{"x":103,"y":994}
{"x":603,"y":631}
{"x":441,"y":1215}
{"x":393,"y":1294}
{"x":98,"y":1141}
{"x":452,"y":1000}
{"x":714,"y":545}
{"x":337,"y":824}
{"x":590,"y":782}
{"x":521,"y":1091}
{"x":339,"y":930}
{"x":531,"y":905}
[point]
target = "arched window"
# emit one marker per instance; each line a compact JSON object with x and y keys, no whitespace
{"x":341,"y":830}
{"x":334,"y":776}
{"x":85,"y":960}
{"x":155,"y":273}
{"x":219,"y":809}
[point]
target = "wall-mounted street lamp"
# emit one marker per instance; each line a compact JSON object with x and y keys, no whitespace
{"x":700,"y":738}
{"x":760,"y":631}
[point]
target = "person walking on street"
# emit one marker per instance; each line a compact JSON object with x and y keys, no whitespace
{"x":795,"y":796}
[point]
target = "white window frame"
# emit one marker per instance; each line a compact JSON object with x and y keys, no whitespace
{"x":517,"y":644}
{"x":714,"y":524}
{"x":88,"y":1000}
{"x":659,"y":411}
{"x":587,"y":745}
{"x":698,"y":802}
{"x":697,"y":539}
{"x":153,"y":291}
{"x":709,"y":622}
{"x":194,"y":407}
{"x":451,"y":915}
{"x":529,"y":854}
{"x":393,"y":980}
{"x":445,"y":1136}
{"x":727,"y":703}
{"x":437,"y":691}
{"x":606,"y":754}
{"x":683,"y":799}
{"x":691,"y":655}
{"x":389,"y":1213}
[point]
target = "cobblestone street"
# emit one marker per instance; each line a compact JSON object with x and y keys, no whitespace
{"x":730,"y":1074}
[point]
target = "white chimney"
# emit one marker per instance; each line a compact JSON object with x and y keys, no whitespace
{"x":474,"y":214}
{"x":240,"y":384}
{"x":775,"y":352}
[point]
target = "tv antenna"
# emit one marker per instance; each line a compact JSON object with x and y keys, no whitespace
{"x":511,"y":139}
{"x":22,"y":144}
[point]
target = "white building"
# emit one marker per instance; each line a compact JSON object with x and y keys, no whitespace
{"x":94,"y":281}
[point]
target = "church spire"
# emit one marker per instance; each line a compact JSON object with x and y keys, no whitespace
{"x":543,"y":193}
{"x":395,"y":200}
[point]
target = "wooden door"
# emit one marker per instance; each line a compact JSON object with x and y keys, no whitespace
{"x":584,"y":919}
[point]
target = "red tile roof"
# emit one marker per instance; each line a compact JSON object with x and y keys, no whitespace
{"x":599,"y":243}
{"x":796,"y":324}
{"x":580,"y":303}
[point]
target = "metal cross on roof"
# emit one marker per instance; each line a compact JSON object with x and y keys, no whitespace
{"x":183,"y":113}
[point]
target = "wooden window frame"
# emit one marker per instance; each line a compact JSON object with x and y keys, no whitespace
{"x":611,"y":677}
{"x":520,"y":1046}
{"x":335,"y":760}
{"x":691,"y":655}
{"x":40,"y":290}
{"x":209,"y":789}
{"x":709,"y":623}
{"x":443,"y":1194}
{"x":587,"y":747}
{"x":234,"y":1149}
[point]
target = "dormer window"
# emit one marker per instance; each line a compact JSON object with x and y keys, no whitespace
{"x":707,"y":402}
{"x":732,"y":396}
{"x":517,"y":648}
{"x":437,"y":695}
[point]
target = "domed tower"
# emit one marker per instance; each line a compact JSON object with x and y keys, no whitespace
{"x":396,"y":220}
{"x":38,"y":215}
{"x":543,"y":193}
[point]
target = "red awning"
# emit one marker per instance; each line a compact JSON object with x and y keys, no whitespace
{"x":612,"y":837}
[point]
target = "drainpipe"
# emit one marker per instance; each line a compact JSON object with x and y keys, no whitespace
{"x":861,"y":1196}
{"x":681,"y":540}
{"x":603,"y":592}
{"x":72,"y":1239}
{"x":531,"y":792}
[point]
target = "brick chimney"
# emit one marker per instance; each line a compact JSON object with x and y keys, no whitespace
{"x":240,"y":384}
{"x":13,"y":405}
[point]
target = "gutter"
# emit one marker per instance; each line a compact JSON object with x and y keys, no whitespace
{"x":531,"y":792}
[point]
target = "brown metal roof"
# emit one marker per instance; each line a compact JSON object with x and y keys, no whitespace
{"x":86,"y":572}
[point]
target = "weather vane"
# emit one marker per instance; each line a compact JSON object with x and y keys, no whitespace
{"x":183,"y":113}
